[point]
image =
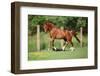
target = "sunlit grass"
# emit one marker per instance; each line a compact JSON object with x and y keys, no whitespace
{"x":68,"y":54}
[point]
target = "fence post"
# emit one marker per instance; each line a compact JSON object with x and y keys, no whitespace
{"x":62,"y":28}
{"x":38,"y":37}
{"x":81,"y":34}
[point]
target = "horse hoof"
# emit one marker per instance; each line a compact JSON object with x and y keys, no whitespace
{"x":54,"y":48}
{"x":72,"y":48}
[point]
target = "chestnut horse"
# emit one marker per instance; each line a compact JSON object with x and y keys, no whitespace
{"x":56,"y":33}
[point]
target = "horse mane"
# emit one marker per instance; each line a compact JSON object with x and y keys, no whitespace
{"x":49,"y":24}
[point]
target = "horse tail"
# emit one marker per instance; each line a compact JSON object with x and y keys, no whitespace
{"x":77,"y":38}
{"x":74,"y":33}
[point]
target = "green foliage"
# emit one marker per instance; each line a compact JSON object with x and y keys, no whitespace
{"x":68,"y":22}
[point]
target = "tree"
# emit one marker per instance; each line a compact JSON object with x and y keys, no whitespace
{"x":68,"y":22}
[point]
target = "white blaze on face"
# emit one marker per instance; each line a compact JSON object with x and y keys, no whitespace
{"x":71,"y":33}
{"x":44,"y":28}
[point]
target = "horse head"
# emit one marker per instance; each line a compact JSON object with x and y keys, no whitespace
{"x":48,"y":26}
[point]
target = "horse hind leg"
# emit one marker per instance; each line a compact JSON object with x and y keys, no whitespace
{"x":72,"y":43}
{"x":72,"y":48}
{"x":64,"y":45}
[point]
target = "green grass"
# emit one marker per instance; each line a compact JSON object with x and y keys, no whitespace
{"x":52,"y":55}
{"x":44,"y":54}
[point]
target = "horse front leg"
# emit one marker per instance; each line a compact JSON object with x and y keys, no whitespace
{"x":52,"y":44}
{"x":53,"y":47}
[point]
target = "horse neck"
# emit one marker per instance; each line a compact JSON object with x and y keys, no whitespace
{"x":51,"y":26}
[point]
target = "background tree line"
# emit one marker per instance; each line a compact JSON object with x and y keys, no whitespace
{"x":68,"y":22}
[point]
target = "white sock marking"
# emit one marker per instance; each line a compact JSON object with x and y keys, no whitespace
{"x":72,"y":48}
{"x":54,"y":48}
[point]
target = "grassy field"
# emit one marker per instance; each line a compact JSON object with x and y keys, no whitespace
{"x":44,"y":54}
